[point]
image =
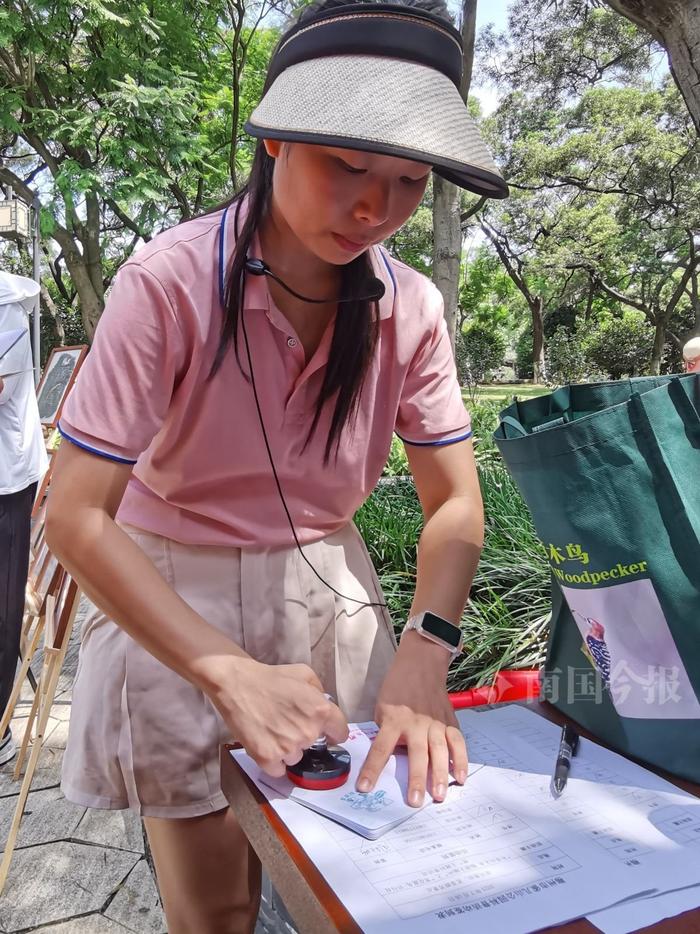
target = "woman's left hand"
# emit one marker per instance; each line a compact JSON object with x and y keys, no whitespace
{"x":413,"y":710}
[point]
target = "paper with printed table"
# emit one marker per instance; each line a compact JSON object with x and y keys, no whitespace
{"x":500,"y":853}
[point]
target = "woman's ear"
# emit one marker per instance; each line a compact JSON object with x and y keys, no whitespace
{"x":273,"y":147}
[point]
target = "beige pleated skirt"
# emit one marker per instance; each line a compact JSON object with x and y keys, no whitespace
{"x":143,"y":738}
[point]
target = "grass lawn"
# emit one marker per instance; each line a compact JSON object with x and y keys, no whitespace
{"x":506,"y":391}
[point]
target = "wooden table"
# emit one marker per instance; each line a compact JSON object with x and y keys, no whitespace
{"x":305,"y":893}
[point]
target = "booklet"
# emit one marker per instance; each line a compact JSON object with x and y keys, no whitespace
{"x":371,"y":814}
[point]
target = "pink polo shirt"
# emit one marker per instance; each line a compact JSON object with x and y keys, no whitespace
{"x":202,"y":474}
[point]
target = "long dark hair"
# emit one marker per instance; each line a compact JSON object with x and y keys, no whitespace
{"x":356,"y":327}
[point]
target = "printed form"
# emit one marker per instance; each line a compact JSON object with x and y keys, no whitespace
{"x":501,"y":848}
{"x":602,"y":765}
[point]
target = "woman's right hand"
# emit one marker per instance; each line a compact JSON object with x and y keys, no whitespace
{"x":277,"y":711}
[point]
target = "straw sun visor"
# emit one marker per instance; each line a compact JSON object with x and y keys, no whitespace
{"x":383,"y":105}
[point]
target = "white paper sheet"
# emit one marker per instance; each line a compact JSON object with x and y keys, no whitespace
{"x":370,"y":815}
{"x":631,"y":916}
{"x":501,"y":849}
{"x":597,"y":765}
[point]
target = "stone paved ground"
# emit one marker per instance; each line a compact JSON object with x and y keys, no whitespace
{"x":75,"y":870}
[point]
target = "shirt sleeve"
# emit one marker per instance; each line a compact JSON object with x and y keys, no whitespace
{"x":123,"y":390}
{"x":431,"y":409}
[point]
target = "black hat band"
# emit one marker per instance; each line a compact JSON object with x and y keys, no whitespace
{"x":385,"y":30}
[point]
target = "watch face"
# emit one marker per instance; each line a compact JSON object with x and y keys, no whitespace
{"x":437,"y":626}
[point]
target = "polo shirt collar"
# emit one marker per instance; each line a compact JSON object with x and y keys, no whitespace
{"x":381,"y":265}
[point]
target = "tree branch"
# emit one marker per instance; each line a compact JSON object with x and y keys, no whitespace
{"x":465,"y":215}
{"x":507,"y":261}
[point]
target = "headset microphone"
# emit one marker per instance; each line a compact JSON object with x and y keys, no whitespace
{"x":258,"y":267}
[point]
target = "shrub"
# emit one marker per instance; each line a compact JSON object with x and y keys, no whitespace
{"x":484,"y":416}
{"x":397,"y":464}
{"x":622,"y":346}
{"x":481,"y":350}
{"x":566,"y":357}
{"x":505,"y":623}
{"x":523,"y":355}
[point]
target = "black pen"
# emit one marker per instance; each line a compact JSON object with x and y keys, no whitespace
{"x":568,"y":747}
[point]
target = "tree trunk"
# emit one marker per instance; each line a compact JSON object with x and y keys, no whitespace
{"x":539,"y":371}
{"x":659,"y":342}
{"x":447,"y":229}
{"x":49,"y":314}
{"x":695,"y":304}
{"x":447,"y":248}
{"x":676,"y":25}
{"x":91,"y":299}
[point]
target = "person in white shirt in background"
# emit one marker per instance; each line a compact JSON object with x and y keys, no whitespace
{"x":691,"y":355}
{"x":23,"y":463}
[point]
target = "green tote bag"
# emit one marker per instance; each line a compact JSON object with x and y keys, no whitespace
{"x":611,"y":474}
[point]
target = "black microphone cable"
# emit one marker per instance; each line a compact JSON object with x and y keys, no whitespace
{"x":258,"y":267}
{"x":269,"y":451}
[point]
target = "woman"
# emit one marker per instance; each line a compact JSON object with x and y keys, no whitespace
{"x":237,"y":407}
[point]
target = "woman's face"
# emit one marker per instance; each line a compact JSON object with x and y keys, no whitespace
{"x":338,"y":202}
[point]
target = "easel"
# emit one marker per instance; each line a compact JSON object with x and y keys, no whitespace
{"x":61,"y":604}
{"x":51,"y":603}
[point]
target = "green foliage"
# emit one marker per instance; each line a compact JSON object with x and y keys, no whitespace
{"x":413,"y":243}
{"x":488,"y":296}
{"x":481,"y":350}
{"x":130,"y":120}
{"x":556,"y":51}
{"x":484,"y":416}
{"x":566,"y":357}
{"x":563,"y":316}
{"x":622,"y":346}
{"x":523,"y":355}
{"x":605,"y":166}
{"x":507,"y":617}
{"x":505,"y":623}
{"x":397,"y":464}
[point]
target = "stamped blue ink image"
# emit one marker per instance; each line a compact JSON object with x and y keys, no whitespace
{"x":372,"y":801}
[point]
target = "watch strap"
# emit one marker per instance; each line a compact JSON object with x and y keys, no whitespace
{"x":416,"y":622}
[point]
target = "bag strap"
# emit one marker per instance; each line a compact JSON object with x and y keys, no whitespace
{"x":560,"y":400}
{"x":686,"y":410}
{"x":514,"y":424}
{"x":671,"y":507}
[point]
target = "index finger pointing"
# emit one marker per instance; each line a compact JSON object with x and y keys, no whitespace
{"x":378,"y":756}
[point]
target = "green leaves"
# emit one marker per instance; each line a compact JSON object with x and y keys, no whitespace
{"x":604,"y":165}
{"x":505,"y":623}
{"x":120,"y":113}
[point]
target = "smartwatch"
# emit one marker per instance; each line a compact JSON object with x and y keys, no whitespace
{"x":439,"y":630}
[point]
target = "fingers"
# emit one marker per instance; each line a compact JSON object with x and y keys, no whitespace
{"x":274,"y":767}
{"x":418,"y":758}
{"x":378,"y":756}
{"x":458,"y":753}
{"x":439,"y":760}
{"x":430,"y":743}
{"x":335,"y":725}
{"x":302,"y":673}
